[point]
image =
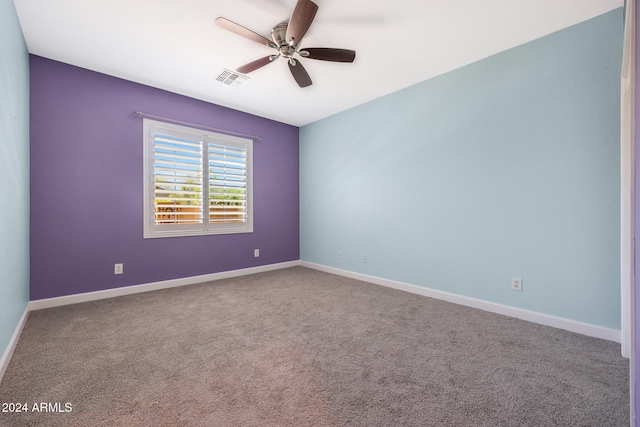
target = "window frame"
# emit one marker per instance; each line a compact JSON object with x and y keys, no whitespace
{"x":205,"y":227}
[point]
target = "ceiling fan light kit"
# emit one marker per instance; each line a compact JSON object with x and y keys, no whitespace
{"x":286,"y":38}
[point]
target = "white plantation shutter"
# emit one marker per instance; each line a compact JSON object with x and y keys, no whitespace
{"x":177,"y":179}
{"x":187,"y":169}
{"x":227,"y":184}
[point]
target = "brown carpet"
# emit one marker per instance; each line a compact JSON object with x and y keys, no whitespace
{"x":299,"y":347}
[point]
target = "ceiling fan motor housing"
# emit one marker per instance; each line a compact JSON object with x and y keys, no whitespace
{"x":279,"y":37}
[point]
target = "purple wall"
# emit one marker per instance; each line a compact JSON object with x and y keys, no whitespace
{"x":86,"y":186}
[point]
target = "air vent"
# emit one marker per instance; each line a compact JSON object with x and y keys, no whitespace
{"x":231,"y":78}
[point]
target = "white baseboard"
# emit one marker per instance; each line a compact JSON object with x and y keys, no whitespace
{"x":147,"y":287}
{"x":6,"y":357}
{"x":531,"y":316}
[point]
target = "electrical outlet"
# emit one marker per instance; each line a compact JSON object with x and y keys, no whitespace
{"x":516,"y":284}
{"x":339,"y":254}
{"x":118,"y":268}
{"x":256,"y":253}
{"x":364,"y":259}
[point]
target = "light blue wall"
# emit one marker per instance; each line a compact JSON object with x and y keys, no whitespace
{"x":14,"y":173}
{"x":506,"y":167}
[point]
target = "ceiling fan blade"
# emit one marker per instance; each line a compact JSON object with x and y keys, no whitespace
{"x":254,"y":65}
{"x":299,"y":73}
{"x":300,"y":21}
{"x":244,"y":32}
{"x":328,"y":54}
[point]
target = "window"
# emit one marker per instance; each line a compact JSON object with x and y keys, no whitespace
{"x":187,"y":169}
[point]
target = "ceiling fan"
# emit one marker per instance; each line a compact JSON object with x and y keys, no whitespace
{"x":286,"y":38}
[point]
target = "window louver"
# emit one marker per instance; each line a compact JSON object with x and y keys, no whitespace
{"x":177,"y":170}
{"x":227,"y":184}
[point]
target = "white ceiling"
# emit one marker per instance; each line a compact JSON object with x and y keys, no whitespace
{"x":176,"y":46}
